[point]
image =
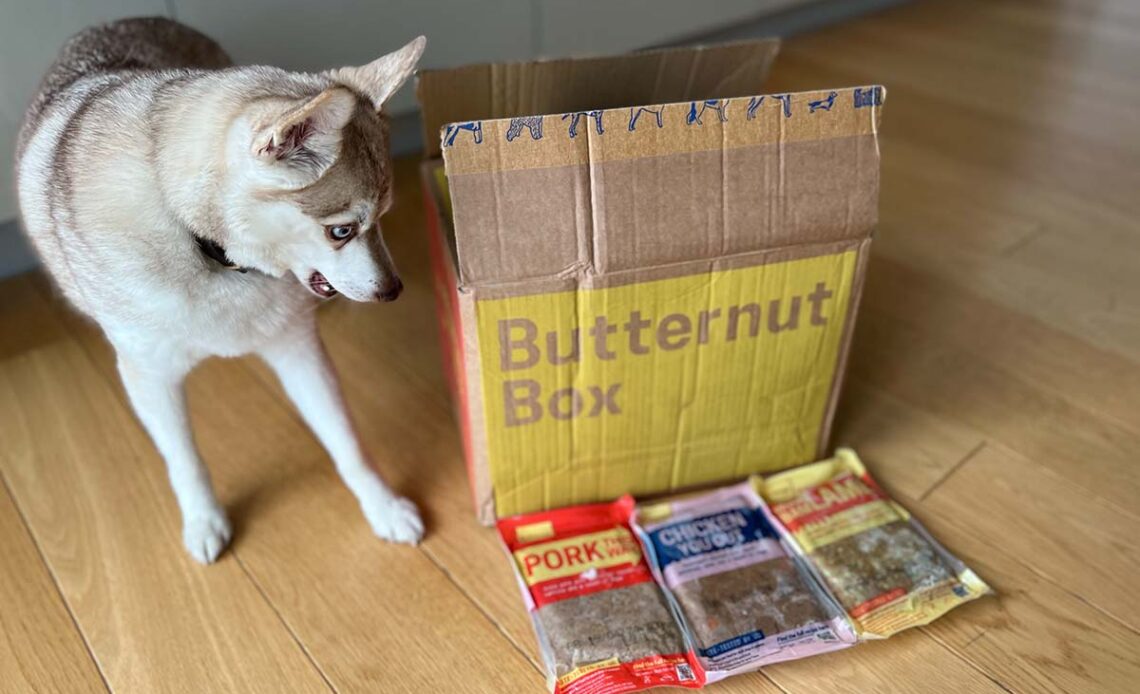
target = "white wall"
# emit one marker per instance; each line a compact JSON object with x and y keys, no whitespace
{"x":317,"y":34}
{"x":31,"y":32}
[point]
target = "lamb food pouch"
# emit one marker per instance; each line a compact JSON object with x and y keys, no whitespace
{"x":603,"y":625}
{"x":744,"y":600}
{"x":886,"y":571}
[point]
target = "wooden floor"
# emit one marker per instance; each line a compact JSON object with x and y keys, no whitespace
{"x":994,"y":387}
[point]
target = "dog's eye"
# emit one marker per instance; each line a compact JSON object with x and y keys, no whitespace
{"x":340,"y":233}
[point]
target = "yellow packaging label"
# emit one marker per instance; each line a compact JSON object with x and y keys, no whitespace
{"x":579,"y":672}
{"x":922,"y":607}
{"x":658,"y":385}
{"x":572,"y":556}
{"x":853,"y":521}
{"x":535,"y":531}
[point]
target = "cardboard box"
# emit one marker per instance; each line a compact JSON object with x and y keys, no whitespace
{"x":654,"y":287}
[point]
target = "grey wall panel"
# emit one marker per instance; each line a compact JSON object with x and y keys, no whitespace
{"x":31,"y":32}
{"x":308,"y":35}
{"x":569,"y":27}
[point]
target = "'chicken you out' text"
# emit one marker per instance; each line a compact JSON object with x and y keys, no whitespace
{"x":521,"y":347}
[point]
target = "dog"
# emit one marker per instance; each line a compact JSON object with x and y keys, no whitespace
{"x":194,"y":209}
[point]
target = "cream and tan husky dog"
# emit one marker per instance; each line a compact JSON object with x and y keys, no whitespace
{"x":193,"y":208}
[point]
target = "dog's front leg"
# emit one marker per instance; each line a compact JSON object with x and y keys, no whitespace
{"x":155,"y":389}
{"x":300,"y":361}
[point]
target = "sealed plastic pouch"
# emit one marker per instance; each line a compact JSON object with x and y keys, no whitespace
{"x":882,"y":566}
{"x":603,"y":625}
{"x":743,"y":598}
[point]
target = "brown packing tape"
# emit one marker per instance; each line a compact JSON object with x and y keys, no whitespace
{"x":666,"y":271}
{"x":482,"y":92}
{"x":530,"y":142}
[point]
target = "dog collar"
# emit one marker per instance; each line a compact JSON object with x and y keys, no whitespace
{"x":214,"y":251}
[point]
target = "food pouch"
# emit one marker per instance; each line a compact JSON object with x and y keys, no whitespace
{"x":744,"y":600}
{"x":603,"y":625}
{"x":886,"y":571}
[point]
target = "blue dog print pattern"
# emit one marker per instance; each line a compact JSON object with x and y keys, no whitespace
{"x":575,"y":119}
{"x":822,"y":104}
{"x":753,"y":106}
{"x":579,"y":121}
{"x":635,"y":113}
{"x":872,"y":96}
{"x":531,"y":123}
{"x":712,"y":105}
{"x":474,"y":127}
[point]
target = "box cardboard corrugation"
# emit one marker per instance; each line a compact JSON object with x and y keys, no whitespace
{"x":652,"y":286}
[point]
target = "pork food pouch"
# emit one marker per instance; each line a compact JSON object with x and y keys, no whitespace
{"x":744,"y":599}
{"x":603,"y":625}
{"x":882,"y":566}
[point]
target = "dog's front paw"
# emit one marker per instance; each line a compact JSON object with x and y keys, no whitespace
{"x":206,"y":535}
{"x":396,"y":520}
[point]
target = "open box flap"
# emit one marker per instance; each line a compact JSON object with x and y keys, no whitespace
{"x":604,"y":196}
{"x":501,"y":90}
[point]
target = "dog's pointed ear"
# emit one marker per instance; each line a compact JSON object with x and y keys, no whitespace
{"x":308,"y":135}
{"x":379,"y":80}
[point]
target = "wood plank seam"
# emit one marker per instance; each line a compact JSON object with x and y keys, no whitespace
{"x":911,"y":504}
{"x":486,"y":615}
{"x":268,"y":385}
{"x":1046,"y":470}
{"x":1097,"y":607}
{"x":773,"y":682}
{"x":284,"y":623}
{"x":953,"y":468}
{"x":116,"y":388}
{"x":264,"y":379}
{"x":1115,"y":505}
{"x":969,"y":643}
{"x":894,"y":266}
{"x":963,"y":657}
{"x":1022,"y":242}
{"x":7,"y":489}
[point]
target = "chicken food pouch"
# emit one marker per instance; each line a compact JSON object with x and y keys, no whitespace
{"x":744,"y":599}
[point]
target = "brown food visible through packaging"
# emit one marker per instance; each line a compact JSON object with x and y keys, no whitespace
{"x":770,"y":597}
{"x":876,"y":561}
{"x":627,"y":623}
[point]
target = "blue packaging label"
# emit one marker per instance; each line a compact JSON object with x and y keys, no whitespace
{"x":692,"y":538}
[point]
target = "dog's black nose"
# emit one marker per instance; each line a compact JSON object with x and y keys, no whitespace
{"x":390,"y":289}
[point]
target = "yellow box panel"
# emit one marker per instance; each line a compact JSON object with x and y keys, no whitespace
{"x":659,"y":385}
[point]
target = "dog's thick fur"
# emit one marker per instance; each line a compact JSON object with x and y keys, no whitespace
{"x":144,"y":149}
